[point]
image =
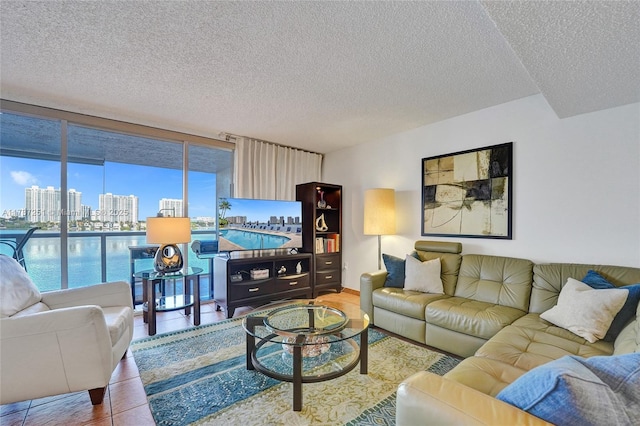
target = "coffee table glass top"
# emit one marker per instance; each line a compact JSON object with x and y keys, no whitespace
{"x":309,"y":322}
{"x":327,"y":334}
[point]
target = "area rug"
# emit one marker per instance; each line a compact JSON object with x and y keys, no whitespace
{"x":198,"y":376}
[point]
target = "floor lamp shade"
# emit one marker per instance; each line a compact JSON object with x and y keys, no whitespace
{"x":379,"y":215}
{"x":379,"y":211}
{"x":168,"y":231}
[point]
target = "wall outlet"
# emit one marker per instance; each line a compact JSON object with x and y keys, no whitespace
{"x":345,"y":265}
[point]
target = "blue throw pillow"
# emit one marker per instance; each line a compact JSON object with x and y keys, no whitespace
{"x":395,"y":271}
{"x":628,"y":311}
{"x":577,"y":391}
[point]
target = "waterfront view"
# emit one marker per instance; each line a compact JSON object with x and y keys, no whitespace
{"x":43,"y":259}
{"x":103,"y":183}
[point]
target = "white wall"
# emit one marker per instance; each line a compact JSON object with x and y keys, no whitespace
{"x":576,"y":184}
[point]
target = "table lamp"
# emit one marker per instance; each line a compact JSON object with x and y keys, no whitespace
{"x":168,"y":232}
{"x":379,"y":215}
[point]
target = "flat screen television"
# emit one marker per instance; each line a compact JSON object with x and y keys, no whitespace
{"x":252,"y":224}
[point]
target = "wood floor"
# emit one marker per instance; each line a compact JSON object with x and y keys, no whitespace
{"x":125,"y":402}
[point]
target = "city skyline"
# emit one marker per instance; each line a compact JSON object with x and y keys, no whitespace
{"x":262,"y":210}
{"x":149,"y":184}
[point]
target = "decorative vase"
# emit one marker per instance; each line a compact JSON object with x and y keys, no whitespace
{"x":321,"y":225}
{"x":322,"y":203}
{"x":299,"y":268}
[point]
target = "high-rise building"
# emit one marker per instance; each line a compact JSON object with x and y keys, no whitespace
{"x":74,"y":205}
{"x":44,"y":204}
{"x":86,"y":212}
{"x":236,"y":220}
{"x":117,"y":208}
{"x":170,"y":207}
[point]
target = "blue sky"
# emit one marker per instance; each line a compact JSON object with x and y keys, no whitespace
{"x":149,"y":184}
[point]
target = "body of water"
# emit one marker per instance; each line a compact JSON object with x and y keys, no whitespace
{"x":42,"y":257}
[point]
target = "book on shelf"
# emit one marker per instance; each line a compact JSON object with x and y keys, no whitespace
{"x":336,"y":242}
{"x":331,"y":244}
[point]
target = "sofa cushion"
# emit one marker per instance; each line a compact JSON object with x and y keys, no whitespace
{"x":585,"y":311}
{"x":395,"y":271}
{"x":472,"y":317}
{"x":530,"y":342}
{"x":628,"y":311}
{"x":404,"y":302}
{"x":423,"y":276}
{"x":575,"y":390}
{"x":17,"y":291}
{"x":502,"y":281}
{"x":627,"y":341}
{"x":486,"y":375}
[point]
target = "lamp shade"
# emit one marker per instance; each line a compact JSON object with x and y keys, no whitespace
{"x":168,"y":230}
{"x":379,"y":211}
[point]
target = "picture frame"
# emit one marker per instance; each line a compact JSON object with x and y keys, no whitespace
{"x":469,"y":193}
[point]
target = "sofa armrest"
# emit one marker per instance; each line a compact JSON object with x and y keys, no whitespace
{"x":117,"y":293}
{"x":52,"y":352}
{"x":370,"y":281}
{"x":426,"y":398}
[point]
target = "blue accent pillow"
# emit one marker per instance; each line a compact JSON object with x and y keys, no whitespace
{"x":395,"y":270}
{"x":571,"y":390}
{"x":628,"y":311}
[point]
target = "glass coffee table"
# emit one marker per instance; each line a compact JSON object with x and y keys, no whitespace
{"x":307,"y":341}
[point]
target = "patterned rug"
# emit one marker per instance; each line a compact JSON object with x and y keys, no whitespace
{"x":198,"y":376}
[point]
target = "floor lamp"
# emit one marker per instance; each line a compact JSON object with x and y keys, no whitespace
{"x":379,"y":215}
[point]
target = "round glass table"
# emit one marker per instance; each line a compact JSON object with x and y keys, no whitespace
{"x":307,"y":341}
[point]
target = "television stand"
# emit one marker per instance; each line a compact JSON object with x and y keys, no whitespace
{"x":246,"y":281}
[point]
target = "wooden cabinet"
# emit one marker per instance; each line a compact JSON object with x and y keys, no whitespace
{"x":245,"y":280}
{"x":322,"y":233}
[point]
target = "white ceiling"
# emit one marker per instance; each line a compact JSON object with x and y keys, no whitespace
{"x":315,"y":75}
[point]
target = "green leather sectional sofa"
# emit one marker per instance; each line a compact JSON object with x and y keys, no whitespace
{"x":489,"y":314}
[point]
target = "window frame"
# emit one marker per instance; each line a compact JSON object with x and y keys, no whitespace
{"x":67,"y":118}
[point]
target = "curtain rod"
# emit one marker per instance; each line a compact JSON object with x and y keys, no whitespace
{"x":229,"y":137}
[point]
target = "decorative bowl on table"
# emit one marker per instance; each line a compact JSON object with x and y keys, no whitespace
{"x":314,"y":345}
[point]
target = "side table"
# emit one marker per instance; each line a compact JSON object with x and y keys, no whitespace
{"x":163,"y":303}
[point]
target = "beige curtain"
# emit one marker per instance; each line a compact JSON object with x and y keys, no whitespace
{"x":268,"y":171}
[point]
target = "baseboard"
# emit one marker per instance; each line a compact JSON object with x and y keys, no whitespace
{"x":351,"y":291}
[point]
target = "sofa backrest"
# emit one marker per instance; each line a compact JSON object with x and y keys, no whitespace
{"x":504,"y":281}
{"x":548,"y":280}
{"x":450,"y":258}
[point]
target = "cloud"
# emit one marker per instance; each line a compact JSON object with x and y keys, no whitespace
{"x":23,"y":178}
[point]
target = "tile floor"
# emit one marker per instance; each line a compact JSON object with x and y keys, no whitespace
{"x":125,"y":402}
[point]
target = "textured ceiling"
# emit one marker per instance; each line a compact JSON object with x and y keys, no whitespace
{"x":315,"y":75}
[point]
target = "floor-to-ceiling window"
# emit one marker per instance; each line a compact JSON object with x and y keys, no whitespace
{"x":30,"y":170}
{"x":110,"y":177}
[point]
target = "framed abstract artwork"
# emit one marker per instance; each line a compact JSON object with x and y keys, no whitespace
{"x":468,"y":193}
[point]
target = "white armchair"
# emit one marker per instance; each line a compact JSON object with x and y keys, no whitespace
{"x":61,"y":341}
